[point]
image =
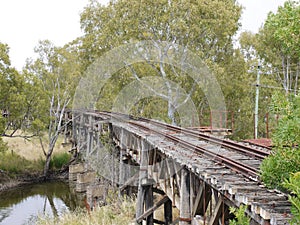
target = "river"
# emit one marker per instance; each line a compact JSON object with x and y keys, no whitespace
{"x":24,"y":204}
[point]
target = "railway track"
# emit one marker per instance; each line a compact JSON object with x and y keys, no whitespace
{"x":171,"y":132}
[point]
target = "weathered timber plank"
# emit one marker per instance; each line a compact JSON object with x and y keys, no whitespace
{"x":152,"y":209}
{"x":214,"y":220}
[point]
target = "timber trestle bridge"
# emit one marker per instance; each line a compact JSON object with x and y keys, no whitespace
{"x":200,"y":175}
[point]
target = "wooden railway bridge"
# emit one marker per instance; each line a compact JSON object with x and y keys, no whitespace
{"x":173,"y":167}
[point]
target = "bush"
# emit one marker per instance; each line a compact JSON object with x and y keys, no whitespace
{"x":277,"y":167}
{"x":241,"y":217}
{"x":293,"y":185}
{"x":59,"y":160}
{"x":285,"y":158}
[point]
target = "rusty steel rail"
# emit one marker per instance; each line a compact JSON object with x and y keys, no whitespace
{"x":246,"y":170}
{"x":229,"y":144}
{"x":234,"y":165}
{"x":247,"y":150}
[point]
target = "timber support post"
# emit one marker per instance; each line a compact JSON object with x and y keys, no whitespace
{"x":185,"y":210}
{"x":145,"y":189}
{"x":90,"y":136}
{"x":168,"y":212}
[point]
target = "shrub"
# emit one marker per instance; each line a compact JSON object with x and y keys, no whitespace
{"x":285,"y":158}
{"x":293,"y":185}
{"x":241,"y":217}
{"x":59,"y":160}
{"x":278,"y":166}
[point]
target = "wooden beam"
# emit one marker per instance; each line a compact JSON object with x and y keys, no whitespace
{"x":214,"y":220}
{"x":202,"y":200}
{"x":158,"y":191}
{"x":168,"y":212}
{"x":177,"y":168}
{"x":163,"y":173}
{"x":192,"y":191}
{"x":152,"y":209}
{"x":206,"y":198}
{"x":149,"y":204}
{"x":143,"y":174}
{"x":158,"y":221}
{"x":170,"y":166}
{"x":185,"y":210}
{"x":197,"y":201}
{"x":172,"y":174}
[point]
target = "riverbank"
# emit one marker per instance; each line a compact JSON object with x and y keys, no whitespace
{"x":27,"y":203}
{"x":24,"y":162}
{"x":7,"y":182}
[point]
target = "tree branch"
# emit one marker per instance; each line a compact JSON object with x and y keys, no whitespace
{"x":27,"y":137}
{"x":144,"y":84}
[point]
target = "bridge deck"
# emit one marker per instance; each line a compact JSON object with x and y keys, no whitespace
{"x":264,"y":204}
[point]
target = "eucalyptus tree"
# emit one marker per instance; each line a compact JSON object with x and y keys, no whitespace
{"x":278,"y":45}
{"x":57,"y":70}
{"x":20,"y":100}
{"x":4,"y":64}
{"x":276,"y":48}
{"x":204,"y":27}
{"x":17,"y":98}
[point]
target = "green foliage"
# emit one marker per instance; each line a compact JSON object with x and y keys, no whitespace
{"x":241,"y":217}
{"x":288,"y":130}
{"x":277,"y":44}
{"x":57,"y":71}
{"x":285,"y":158}
{"x":59,"y":160}
{"x":293,"y":185}
{"x":285,"y":27}
{"x":21,"y":98}
{"x":127,"y":21}
{"x":15,"y":164}
{"x":3,"y":146}
{"x":205,"y":26}
{"x":278,"y":166}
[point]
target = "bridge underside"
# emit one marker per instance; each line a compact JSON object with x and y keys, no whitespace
{"x":187,"y":188}
{"x":173,"y":184}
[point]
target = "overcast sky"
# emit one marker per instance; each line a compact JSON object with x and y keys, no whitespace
{"x":24,"y":22}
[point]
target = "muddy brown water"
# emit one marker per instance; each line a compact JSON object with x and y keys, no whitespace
{"x":24,"y":204}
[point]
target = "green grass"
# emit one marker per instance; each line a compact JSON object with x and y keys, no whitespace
{"x":60,"y":159}
{"x":15,"y":164}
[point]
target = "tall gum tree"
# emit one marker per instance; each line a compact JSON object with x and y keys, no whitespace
{"x":277,"y":44}
{"x":205,"y":27}
{"x":20,"y":100}
{"x":58,"y":71}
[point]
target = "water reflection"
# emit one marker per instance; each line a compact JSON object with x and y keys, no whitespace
{"x":24,"y":204}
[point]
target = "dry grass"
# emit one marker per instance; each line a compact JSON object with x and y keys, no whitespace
{"x":31,"y":149}
{"x":116,"y":213}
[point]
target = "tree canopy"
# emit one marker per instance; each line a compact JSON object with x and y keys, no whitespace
{"x":276,"y":45}
{"x":206,"y":28}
